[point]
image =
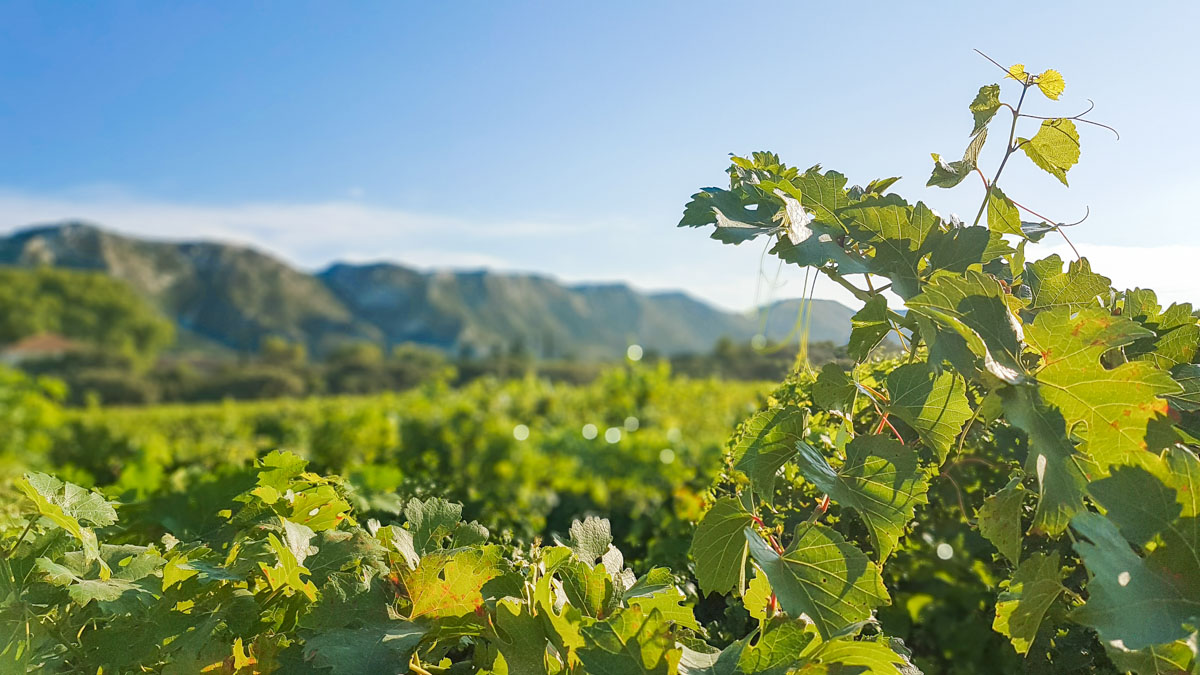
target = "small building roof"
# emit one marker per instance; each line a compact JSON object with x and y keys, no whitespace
{"x":40,"y":344}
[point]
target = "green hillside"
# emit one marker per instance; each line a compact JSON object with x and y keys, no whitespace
{"x":87,"y":307}
{"x":233,"y":297}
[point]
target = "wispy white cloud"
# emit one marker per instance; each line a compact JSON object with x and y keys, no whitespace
{"x":310,"y":234}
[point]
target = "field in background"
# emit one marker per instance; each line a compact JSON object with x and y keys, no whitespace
{"x":525,"y":457}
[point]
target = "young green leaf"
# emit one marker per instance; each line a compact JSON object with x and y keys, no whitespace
{"x":984,"y":107}
{"x":778,"y":649}
{"x":822,"y":576}
{"x":1051,"y":83}
{"x":632,"y":642}
{"x":1054,"y":148}
{"x":1034,"y":587}
{"x":1000,"y":519}
{"x":590,"y":539}
{"x":1076,"y":288}
{"x":933,"y":404}
{"x":1002,"y":214}
{"x":869,"y":326}
{"x":719,"y":547}
{"x":880,"y":480}
{"x":768,"y":441}
{"x":519,"y":638}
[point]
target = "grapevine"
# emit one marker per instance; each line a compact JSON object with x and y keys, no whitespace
{"x":1080,"y":398}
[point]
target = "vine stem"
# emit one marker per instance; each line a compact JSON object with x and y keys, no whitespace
{"x":1012,"y":134}
{"x":13,"y":548}
{"x":845,"y":283}
{"x":1057,"y":228}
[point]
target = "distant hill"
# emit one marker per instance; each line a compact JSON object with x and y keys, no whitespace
{"x":234,"y":296}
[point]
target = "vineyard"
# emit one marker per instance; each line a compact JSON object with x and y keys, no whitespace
{"x":1016,"y":491}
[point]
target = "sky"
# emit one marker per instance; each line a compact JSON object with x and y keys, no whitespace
{"x":564,"y":138}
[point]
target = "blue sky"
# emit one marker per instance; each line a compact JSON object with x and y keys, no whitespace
{"x":564,"y":138}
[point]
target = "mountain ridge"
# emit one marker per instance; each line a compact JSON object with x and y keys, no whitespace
{"x":236,"y":295}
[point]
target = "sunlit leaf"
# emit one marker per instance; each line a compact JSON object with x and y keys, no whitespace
{"x":822,"y":576}
{"x":1054,"y":148}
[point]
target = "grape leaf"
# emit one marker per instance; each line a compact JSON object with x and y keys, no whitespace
{"x":83,"y":590}
{"x":1183,"y":475}
{"x":822,"y":576}
{"x":1035,"y":586}
{"x":935,"y":405}
{"x":898,"y":232}
{"x":631,"y":642}
{"x":1051,"y":83}
{"x":975,"y":307}
{"x":1176,"y":330}
{"x":1002,"y":214}
{"x":562,"y":625}
{"x":808,"y":243}
{"x":1062,"y":471}
{"x":518,"y":636}
{"x":1188,"y":377}
{"x":588,"y":588}
{"x":877,"y":657}
{"x":729,"y":211}
{"x":1052,"y":288}
{"x":958,"y":248}
{"x":1139,"y":602}
{"x":1137,"y":502}
{"x":984,"y":107}
{"x":430,"y":522}
{"x":668,"y":602}
{"x":757,"y":597}
{"x":374,"y":648}
{"x":948,"y":174}
{"x":780,"y":646}
{"x":448,"y":584}
{"x":1109,"y":408}
{"x":824,"y":194}
{"x":869,"y":326}
{"x":67,"y":504}
{"x":768,"y":441}
{"x":1175,"y":658}
{"x":719,"y":547}
{"x":709,"y":661}
{"x":834,"y":390}
{"x":878,"y":185}
{"x":590,"y":539}
{"x":288,"y":572}
{"x":1054,"y":148}
{"x":880,"y":480}
{"x":277,"y":470}
{"x":1000,"y":519}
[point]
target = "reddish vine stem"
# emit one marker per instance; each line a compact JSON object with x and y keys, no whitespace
{"x":988,"y":189}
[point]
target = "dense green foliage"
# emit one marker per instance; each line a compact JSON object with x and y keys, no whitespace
{"x":518,"y":456}
{"x":86,"y":306}
{"x":284,"y":370}
{"x":1039,"y":436}
{"x":1016,"y":491}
